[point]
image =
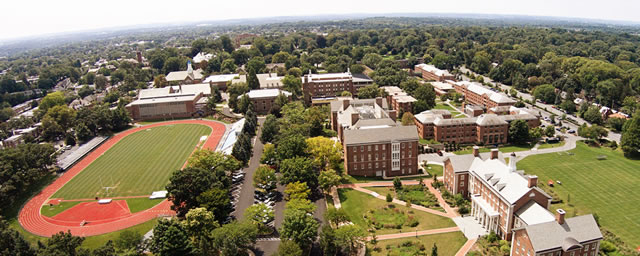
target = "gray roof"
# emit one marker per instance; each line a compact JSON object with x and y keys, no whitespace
{"x":509,"y":118}
{"x":501,"y":108}
{"x":374,"y":122}
{"x":455,"y":121}
{"x":373,"y":135}
{"x":532,"y":213}
{"x":462,"y":163}
{"x":551,"y":235}
{"x":490,"y":119}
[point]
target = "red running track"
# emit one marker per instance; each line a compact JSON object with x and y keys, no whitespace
{"x":32,"y":221}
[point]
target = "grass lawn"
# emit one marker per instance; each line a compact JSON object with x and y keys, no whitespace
{"x":51,"y":211}
{"x":141,"y":204}
{"x":93,"y":242}
{"x":447,"y":243}
{"x":137,"y":165}
{"x":348,"y":179}
{"x":606,"y":187}
{"x":416,"y":195}
{"x":357,"y":204}
{"x":503,"y":149}
{"x":551,"y":145}
{"x":434,"y":169}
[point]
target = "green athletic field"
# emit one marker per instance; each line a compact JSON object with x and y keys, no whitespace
{"x":608,"y":187}
{"x":138,"y":164}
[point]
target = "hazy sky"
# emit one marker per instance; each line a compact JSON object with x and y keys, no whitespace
{"x":35,"y":17}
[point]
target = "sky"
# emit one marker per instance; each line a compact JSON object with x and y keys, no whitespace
{"x":22,"y":18}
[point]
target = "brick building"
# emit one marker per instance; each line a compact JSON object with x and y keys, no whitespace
{"x":381,"y":152}
{"x":323,"y":86}
{"x":476,"y":94}
{"x":374,"y":144}
{"x":262,"y":100}
{"x":170,"y":102}
{"x":486,"y":128}
{"x":573,"y":236}
{"x":399,"y":100}
{"x":506,"y":201}
{"x":431,"y":73}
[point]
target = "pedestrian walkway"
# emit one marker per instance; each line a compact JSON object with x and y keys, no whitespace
{"x":415,"y":234}
{"x":470,"y":227}
{"x":466,"y":247}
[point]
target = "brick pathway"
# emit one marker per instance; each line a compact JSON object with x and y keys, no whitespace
{"x":414,"y":234}
{"x":466,"y":247}
{"x":32,"y":221}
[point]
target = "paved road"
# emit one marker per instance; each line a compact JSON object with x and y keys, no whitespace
{"x":612,"y":135}
{"x":246,"y":193}
{"x":570,"y":143}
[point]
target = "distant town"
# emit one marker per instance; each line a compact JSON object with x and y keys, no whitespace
{"x":375,"y":136}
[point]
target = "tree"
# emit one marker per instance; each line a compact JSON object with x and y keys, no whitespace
{"x":592,"y":115}
{"x":51,"y":100}
{"x":616,"y":123}
{"x":297,"y":190}
{"x":61,"y":244}
{"x":234,"y":238}
{"x":630,"y":141}
{"x":349,"y":238}
{"x":280,"y":57}
{"x":128,"y":240}
{"x":397,"y":184}
{"x":252,"y":80}
{"x":369,"y":92}
{"x":299,"y":227}
{"x":549,"y":131}
{"x":291,"y":146}
{"x":300,"y":204}
{"x":170,"y":238}
{"x":217,"y":201}
{"x":12,"y":242}
{"x":407,"y":118}
{"x":298,"y":169}
{"x":186,"y":185}
{"x":228,"y":66}
{"x":213,"y":160}
{"x":266,"y":176}
{"x":328,"y":240}
{"x":389,"y":198}
{"x":293,"y":85}
{"x":269,"y":129}
{"x":260,"y":215}
{"x":336,"y":216}
{"x":519,"y":132}
{"x":371,"y":60}
{"x":268,"y":154}
{"x":328,"y":179}
{"x":160,"y":81}
{"x":288,"y":248}
{"x":326,"y":153}
{"x":545,"y":93}
{"x":242,"y":148}
{"x":244,"y":104}
{"x":426,"y":96}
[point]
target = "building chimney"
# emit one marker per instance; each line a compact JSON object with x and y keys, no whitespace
{"x":379,"y":101}
{"x":512,"y":162}
{"x":532,"y":181}
{"x":560,"y":216}
{"x":476,"y":151}
{"x":179,"y":88}
{"x":392,"y":115}
{"x":345,"y":104}
{"x":354,"y":118}
{"x":494,"y":153}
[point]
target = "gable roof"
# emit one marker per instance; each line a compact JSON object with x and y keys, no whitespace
{"x":551,"y":235}
{"x":493,"y":172}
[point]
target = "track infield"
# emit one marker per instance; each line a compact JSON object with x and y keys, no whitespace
{"x":179,"y":148}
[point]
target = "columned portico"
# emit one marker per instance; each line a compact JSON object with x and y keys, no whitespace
{"x":484,"y":214}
